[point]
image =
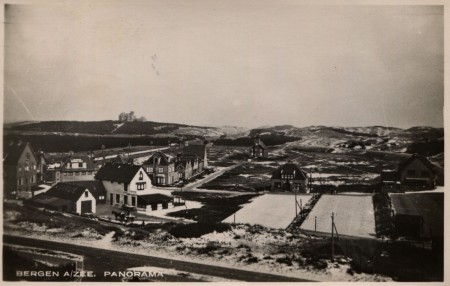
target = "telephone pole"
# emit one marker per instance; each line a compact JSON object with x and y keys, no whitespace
{"x":332,"y":236}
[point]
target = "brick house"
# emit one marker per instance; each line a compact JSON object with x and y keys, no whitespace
{"x":290,"y":178}
{"x":123,"y":183}
{"x":258,"y":149}
{"x":161,"y":169}
{"x":19,"y":170}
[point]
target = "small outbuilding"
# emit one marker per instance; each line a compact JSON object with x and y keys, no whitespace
{"x":67,"y":197}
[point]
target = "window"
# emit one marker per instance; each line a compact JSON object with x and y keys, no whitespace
{"x":34,"y":167}
{"x":20,"y":168}
{"x":411,"y":173}
{"x":69,"y":174}
{"x":89,"y":173}
{"x":149,"y":169}
{"x":133,"y":201}
{"x":86,"y":194}
{"x":27,"y":168}
{"x":141,"y":175}
{"x":160,"y":170}
{"x":64,"y":174}
{"x":83,"y":173}
{"x":80,"y":165}
{"x":117,"y":198}
{"x":141,"y":186}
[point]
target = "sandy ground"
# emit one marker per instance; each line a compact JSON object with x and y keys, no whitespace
{"x":354,"y":215}
{"x":267,"y":210}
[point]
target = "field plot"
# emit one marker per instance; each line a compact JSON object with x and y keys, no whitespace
{"x":270,"y":210}
{"x":430,"y":206}
{"x":354,"y":215}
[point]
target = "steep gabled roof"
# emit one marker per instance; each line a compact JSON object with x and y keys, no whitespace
{"x":95,"y":187}
{"x":289,"y":169}
{"x":65,"y":191}
{"x":13,"y":151}
{"x":165,"y":160}
{"x":116,"y":172}
{"x":260,"y":144}
{"x":423,"y":159}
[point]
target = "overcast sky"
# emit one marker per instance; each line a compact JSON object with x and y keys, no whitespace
{"x":245,"y":63}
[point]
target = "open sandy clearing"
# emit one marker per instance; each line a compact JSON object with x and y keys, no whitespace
{"x":269,"y":210}
{"x":354,"y":215}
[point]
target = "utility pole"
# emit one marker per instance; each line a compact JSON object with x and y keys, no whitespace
{"x":332,"y":236}
{"x":295,"y":192}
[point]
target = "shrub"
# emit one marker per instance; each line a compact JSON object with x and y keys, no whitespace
{"x":197,"y":229}
{"x":284,"y":260}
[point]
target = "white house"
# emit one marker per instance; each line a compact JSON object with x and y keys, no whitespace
{"x":123,"y":183}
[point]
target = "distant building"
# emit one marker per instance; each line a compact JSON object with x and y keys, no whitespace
{"x":161,"y":168}
{"x":199,"y":148}
{"x":127,"y":117}
{"x":289,"y":178}
{"x":123,"y":183}
{"x":417,"y":172}
{"x":258,"y":149}
{"x":20,"y":169}
{"x":70,"y":167}
{"x":67,"y":197}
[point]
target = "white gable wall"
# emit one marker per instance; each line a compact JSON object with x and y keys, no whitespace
{"x":82,"y":198}
{"x":145,"y":178}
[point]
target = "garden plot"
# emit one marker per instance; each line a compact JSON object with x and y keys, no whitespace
{"x":354,"y":215}
{"x":270,"y":210}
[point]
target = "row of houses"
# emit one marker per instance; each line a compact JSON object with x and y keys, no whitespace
{"x":416,"y":172}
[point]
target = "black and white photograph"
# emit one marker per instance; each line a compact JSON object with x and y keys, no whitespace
{"x":223,"y":141}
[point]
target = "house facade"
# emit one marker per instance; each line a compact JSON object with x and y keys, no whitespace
{"x":258,"y":149}
{"x":123,"y":183}
{"x":19,"y":170}
{"x":289,"y":178}
{"x":417,"y":172}
{"x":161,"y":168}
{"x":68,"y":167}
{"x":67,"y":197}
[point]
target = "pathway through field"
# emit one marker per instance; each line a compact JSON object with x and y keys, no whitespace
{"x":354,"y":215}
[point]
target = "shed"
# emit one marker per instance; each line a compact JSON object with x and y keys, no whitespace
{"x":67,"y":197}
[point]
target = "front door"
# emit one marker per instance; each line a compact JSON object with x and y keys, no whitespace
{"x":86,"y":207}
{"x":125,"y":200}
{"x":111,"y":199}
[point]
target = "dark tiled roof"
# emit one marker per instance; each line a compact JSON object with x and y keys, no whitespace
{"x":123,"y":159}
{"x":65,"y":191}
{"x":423,"y":159}
{"x":390,"y":176}
{"x":155,"y":198}
{"x":260,"y":144}
{"x":95,"y":187}
{"x":122,"y":173}
{"x":13,"y":151}
{"x":164,"y":159}
{"x":289,"y":169}
{"x":198,"y":150}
